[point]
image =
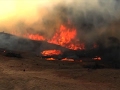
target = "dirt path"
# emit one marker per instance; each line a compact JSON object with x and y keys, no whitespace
{"x":13,"y":76}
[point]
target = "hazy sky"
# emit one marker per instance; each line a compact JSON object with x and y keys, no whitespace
{"x":20,"y":8}
{"x":30,"y":9}
{"x":34,"y":12}
{"x":88,"y":16}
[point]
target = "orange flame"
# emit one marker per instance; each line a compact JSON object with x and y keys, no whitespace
{"x":51,"y":52}
{"x":65,"y":37}
{"x":66,"y":59}
{"x":35,"y":37}
{"x":51,"y":59}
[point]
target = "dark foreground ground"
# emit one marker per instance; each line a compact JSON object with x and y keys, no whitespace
{"x":34,"y":73}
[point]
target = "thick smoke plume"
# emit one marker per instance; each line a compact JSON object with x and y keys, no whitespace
{"x":95,"y":20}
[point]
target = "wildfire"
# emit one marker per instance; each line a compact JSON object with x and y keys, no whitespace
{"x":64,"y":36}
{"x":51,"y":59}
{"x":35,"y":37}
{"x":66,"y":59}
{"x":51,"y":52}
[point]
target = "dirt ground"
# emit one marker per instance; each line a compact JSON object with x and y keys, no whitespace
{"x":34,"y":73}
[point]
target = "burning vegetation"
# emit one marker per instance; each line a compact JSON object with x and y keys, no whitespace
{"x":62,"y":31}
{"x":51,"y":52}
{"x":65,"y":37}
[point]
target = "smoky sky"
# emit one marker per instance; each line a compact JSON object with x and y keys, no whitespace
{"x":93,"y":19}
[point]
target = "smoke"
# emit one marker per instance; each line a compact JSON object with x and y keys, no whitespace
{"x":94,"y":19}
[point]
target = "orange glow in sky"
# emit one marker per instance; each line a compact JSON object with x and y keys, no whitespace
{"x":22,"y":8}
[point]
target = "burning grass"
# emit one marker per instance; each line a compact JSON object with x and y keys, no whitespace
{"x":65,"y":37}
{"x":108,"y":55}
{"x":51,"y":52}
{"x":31,"y":68}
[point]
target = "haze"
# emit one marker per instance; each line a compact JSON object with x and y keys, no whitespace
{"x":47,"y":15}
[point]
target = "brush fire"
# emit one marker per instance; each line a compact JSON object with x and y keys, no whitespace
{"x":61,"y":31}
{"x":59,"y":44}
{"x":65,"y":37}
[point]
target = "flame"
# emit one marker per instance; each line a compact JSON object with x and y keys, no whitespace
{"x":51,"y":52}
{"x":97,"y":58}
{"x":51,"y":59}
{"x":30,"y":36}
{"x":35,"y":37}
{"x":71,"y":60}
{"x":66,"y":37}
{"x":66,"y":59}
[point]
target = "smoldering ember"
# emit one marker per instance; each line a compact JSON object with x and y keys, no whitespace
{"x":65,"y":39}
